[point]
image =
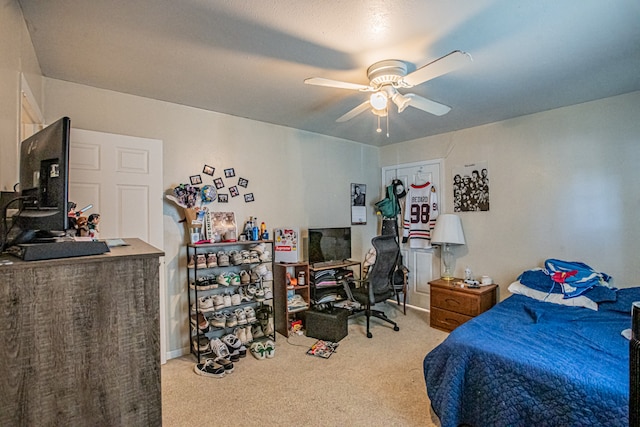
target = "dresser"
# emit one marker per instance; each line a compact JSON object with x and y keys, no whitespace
{"x":80,"y":339}
{"x":452,"y":305}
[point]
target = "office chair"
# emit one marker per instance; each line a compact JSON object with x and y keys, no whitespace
{"x":377,"y":285}
{"x":399,"y":283}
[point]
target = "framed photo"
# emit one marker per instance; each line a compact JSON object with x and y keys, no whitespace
{"x":358,"y":204}
{"x":471,"y":187}
{"x":242,"y":182}
{"x":234,"y":191}
{"x":218,"y":183}
{"x":208,"y":170}
{"x":223,"y":198}
{"x":229,"y":173}
{"x":195,"y":179}
{"x":248,"y":197}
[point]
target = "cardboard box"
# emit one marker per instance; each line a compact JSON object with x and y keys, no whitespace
{"x":286,"y":246}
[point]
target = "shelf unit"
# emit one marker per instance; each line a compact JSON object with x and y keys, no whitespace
{"x":285,"y":314}
{"x":263,"y":308}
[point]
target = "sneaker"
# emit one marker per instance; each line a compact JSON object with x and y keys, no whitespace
{"x":254,"y":277}
{"x":267,"y":292}
{"x":198,"y":320}
{"x":225,"y":363}
{"x":251,"y":290}
{"x":268,"y":329}
{"x":268,"y":276}
{"x":219,"y":348}
{"x":234,"y":279}
{"x":223,"y":280}
{"x":205,"y":304}
{"x":232,"y":342}
{"x":265,"y":257}
{"x":242,"y":316}
{"x":201,"y":344}
{"x":250,"y":314}
{"x":218,"y":320}
{"x":227,"y":300}
{"x":244,"y":296}
{"x":246,"y":257}
{"x":192,"y":262}
{"x":255,"y":257}
{"x":218,"y":302}
{"x":259,"y":247}
{"x":260,"y":270}
{"x":258,"y":350}
{"x":245,"y":278}
{"x":223,"y":259}
{"x":241,"y":333}
{"x":201,"y":261}
{"x":235,"y":299}
{"x":236,"y":258}
{"x":256,"y":331}
{"x":260,"y":295}
{"x":249,"y":334}
{"x":209,"y":368}
{"x":212,"y":260}
{"x":243,"y":351}
{"x":231,"y":320}
{"x":269,"y":348}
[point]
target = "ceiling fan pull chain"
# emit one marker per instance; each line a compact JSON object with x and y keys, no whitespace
{"x":388,"y":123}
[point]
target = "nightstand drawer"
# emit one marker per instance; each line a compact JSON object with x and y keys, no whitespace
{"x":455,"y":301}
{"x":446,"y":320}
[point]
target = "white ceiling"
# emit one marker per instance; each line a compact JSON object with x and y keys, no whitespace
{"x":250,"y":58}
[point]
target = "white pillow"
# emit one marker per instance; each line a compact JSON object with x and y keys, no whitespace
{"x":579,"y":301}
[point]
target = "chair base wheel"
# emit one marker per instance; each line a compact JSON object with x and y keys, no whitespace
{"x":369,"y":335}
{"x":395,"y":328}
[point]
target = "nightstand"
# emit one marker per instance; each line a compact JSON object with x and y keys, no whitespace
{"x":452,"y":305}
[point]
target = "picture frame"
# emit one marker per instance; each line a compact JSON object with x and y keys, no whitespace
{"x":223,"y":198}
{"x":219,"y":183}
{"x":208,"y":170}
{"x":195,"y":179}
{"x":358,"y":195}
{"x":243,"y":182}
{"x":229,"y":173}
{"x":233,"y":191}
{"x":248,"y":198}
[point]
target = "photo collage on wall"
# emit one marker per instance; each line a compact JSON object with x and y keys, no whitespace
{"x":471,"y":187}
{"x":222,"y":187}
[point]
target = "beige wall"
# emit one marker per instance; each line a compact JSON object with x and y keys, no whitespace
{"x":298,"y":178}
{"x":563,"y":184}
{"x":16,"y":56}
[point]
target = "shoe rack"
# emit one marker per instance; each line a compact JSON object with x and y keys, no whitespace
{"x":256,"y":293}
{"x":287,"y":278}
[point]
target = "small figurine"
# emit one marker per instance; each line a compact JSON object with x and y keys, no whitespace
{"x":468,"y":275}
{"x":82,"y":226}
{"x":93,"y":221}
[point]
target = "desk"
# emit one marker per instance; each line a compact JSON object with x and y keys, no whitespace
{"x":81,"y":339}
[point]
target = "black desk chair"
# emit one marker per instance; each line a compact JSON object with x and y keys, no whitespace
{"x":377,"y":286}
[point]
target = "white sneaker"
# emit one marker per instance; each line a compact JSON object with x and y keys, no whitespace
{"x":268,"y":329}
{"x":260,"y":247}
{"x":250,"y":314}
{"x":192,"y":262}
{"x":269,"y":348}
{"x":218,"y":320}
{"x":268,"y":294}
{"x":223,"y":280}
{"x":218,"y":302}
{"x":260,"y":270}
{"x":219,"y":348}
{"x":235,"y":299}
{"x":232,"y":320}
{"x":241,"y":334}
{"x":201,"y":261}
{"x":241,"y":315}
{"x":265,"y":257}
{"x":256,"y":331}
{"x":206,"y":304}
{"x":234,"y":279}
{"x":249,"y":335}
{"x":212,"y":260}
{"x":227,"y":300}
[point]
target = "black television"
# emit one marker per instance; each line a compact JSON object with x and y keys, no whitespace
{"x":44,"y":182}
{"x":329,"y":244}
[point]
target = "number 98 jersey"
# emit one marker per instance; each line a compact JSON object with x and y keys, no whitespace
{"x":420,"y":213}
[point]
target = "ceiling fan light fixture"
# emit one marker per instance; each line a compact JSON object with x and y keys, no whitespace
{"x":378,"y":100}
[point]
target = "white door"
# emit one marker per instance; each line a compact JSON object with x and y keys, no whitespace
{"x":422,"y":264}
{"x":121,"y":176}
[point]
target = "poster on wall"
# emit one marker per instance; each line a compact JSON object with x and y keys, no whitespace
{"x":358,"y":203}
{"x":471,"y":187}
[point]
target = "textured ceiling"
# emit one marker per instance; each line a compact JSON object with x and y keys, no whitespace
{"x":250,"y":58}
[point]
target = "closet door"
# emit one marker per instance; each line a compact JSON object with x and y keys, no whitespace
{"x":423,"y":264}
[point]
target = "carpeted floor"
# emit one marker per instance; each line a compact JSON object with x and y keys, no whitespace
{"x":375,"y":381}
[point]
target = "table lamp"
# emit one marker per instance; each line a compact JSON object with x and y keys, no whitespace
{"x":447,"y":232}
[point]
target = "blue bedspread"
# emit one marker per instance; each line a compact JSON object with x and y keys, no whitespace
{"x":532,"y":363}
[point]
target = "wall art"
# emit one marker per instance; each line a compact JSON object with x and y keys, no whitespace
{"x":471,"y":187}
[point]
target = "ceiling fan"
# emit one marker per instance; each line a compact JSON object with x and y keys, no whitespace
{"x":386,"y":77}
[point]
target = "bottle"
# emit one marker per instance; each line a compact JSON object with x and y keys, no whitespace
{"x":263,"y":230}
{"x":254,"y":233}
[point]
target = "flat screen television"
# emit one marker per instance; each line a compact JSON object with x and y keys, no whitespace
{"x":329,"y":244}
{"x":44,"y":181}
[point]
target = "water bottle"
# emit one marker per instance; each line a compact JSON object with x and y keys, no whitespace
{"x":254,"y":233}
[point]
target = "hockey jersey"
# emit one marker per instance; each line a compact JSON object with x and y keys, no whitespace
{"x":420,"y":213}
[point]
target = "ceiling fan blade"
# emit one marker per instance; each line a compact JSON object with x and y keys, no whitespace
{"x":440,"y":66}
{"x":354,"y":112}
{"x":427,"y":105}
{"x":319,"y":81}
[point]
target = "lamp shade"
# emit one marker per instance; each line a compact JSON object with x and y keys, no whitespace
{"x":448,"y":229}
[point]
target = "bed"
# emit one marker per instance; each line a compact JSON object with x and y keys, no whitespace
{"x":528,"y":362}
